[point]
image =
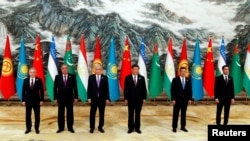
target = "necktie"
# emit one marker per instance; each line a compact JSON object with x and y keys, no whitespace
{"x":183,"y":82}
{"x":135,"y":80}
{"x":32,"y":83}
{"x":65,"y":80}
{"x":226,"y":80}
{"x":98,"y":80}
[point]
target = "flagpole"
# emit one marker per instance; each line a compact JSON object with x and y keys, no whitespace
{"x":246,"y":98}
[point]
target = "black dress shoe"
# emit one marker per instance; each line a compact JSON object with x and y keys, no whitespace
{"x":71,"y":130}
{"x":91,"y":130}
{"x":59,"y":131}
{"x":130,"y":131}
{"x":101,"y":130}
{"x":174,"y":130}
{"x":184,"y":129}
{"x":27,"y":131}
{"x":138,"y":131}
{"x":37,"y":131}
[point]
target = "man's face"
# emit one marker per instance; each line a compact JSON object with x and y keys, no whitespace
{"x":135,"y":70}
{"x":32,"y":73}
{"x":183,"y":72}
{"x":225,"y":70}
{"x":64,"y":69}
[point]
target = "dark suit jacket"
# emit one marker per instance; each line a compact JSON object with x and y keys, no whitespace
{"x":178,"y":93}
{"x":93,"y":89}
{"x":66,"y":93}
{"x":134,"y":93}
{"x":224,"y":92}
{"x":35,"y":95}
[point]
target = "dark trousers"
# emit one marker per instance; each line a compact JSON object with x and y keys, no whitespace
{"x":101,"y":107}
{"x":36,"y":109}
{"x":69,"y":115}
{"x":134,"y":116}
{"x":176,"y":109}
{"x":226,"y":112}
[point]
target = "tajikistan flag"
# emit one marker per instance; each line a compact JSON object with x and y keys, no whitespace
{"x":246,"y":72}
{"x":82,"y":73}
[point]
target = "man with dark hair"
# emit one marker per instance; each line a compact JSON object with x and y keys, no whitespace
{"x":181,"y":94}
{"x":223,"y":94}
{"x":135,"y":95}
{"x":65,"y":94}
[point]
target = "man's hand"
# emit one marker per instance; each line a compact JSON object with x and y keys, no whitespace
{"x":89,"y":100}
{"x":217,"y":100}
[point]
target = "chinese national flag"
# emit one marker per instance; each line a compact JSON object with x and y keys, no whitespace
{"x":98,"y":54}
{"x":8,"y":84}
{"x":38,"y":60}
{"x":126,"y":64}
{"x":209,"y":74}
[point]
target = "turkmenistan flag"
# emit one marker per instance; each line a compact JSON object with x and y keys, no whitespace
{"x":246,"y":72}
{"x":235,"y":70}
{"x":68,"y":59}
{"x":155,"y":80}
{"x":82,"y":72}
{"x":51,"y":70}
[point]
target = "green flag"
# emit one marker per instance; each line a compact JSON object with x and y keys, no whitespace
{"x":68,"y":59}
{"x":235,"y":70}
{"x":155,"y":80}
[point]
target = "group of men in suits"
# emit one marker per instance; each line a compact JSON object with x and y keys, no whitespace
{"x":65,"y":94}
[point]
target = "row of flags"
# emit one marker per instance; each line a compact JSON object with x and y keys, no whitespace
{"x":202,"y":78}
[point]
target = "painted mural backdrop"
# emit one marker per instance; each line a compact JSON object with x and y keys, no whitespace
{"x":155,"y":21}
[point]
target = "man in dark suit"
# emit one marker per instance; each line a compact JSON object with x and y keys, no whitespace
{"x":181,"y":95}
{"x":135,"y":92}
{"x":223,"y":94}
{"x":98,"y":96}
{"x":32,"y":97}
{"x":65,"y":94}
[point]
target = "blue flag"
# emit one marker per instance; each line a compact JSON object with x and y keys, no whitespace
{"x":196,"y":74}
{"x":112,"y":73}
{"x":22,"y":70}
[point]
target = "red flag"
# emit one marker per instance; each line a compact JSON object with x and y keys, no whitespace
{"x":208,"y":74}
{"x":183,"y":58}
{"x":126,"y":64}
{"x":8,"y":84}
{"x":98,"y":54}
{"x":38,"y":60}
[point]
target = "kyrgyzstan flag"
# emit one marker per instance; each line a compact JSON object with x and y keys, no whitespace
{"x":8,"y":84}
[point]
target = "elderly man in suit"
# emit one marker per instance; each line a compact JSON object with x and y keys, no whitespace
{"x":32,"y":98}
{"x":223,"y":94}
{"x":181,"y":95}
{"x":135,"y":92}
{"x":98,"y":96}
{"x":65,"y":94}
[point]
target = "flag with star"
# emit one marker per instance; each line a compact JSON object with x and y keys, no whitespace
{"x":169,"y":71}
{"x":7,"y":85}
{"x":196,"y":73}
{"x":82,"y":72}
{"x":22,"y":70}
{"x":126,"y":64}
{"x":246,"y":72}
{"x":38,"y":61}
{"x":155,"y":79}
{"x":51,"y":70}
{"x":68,"y":58}
{"x":142,"y":62}
{"x":208,"y":74}
{"x":235,"y":69}
{"x":112,"y":73}
{"x":222,"y":58}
